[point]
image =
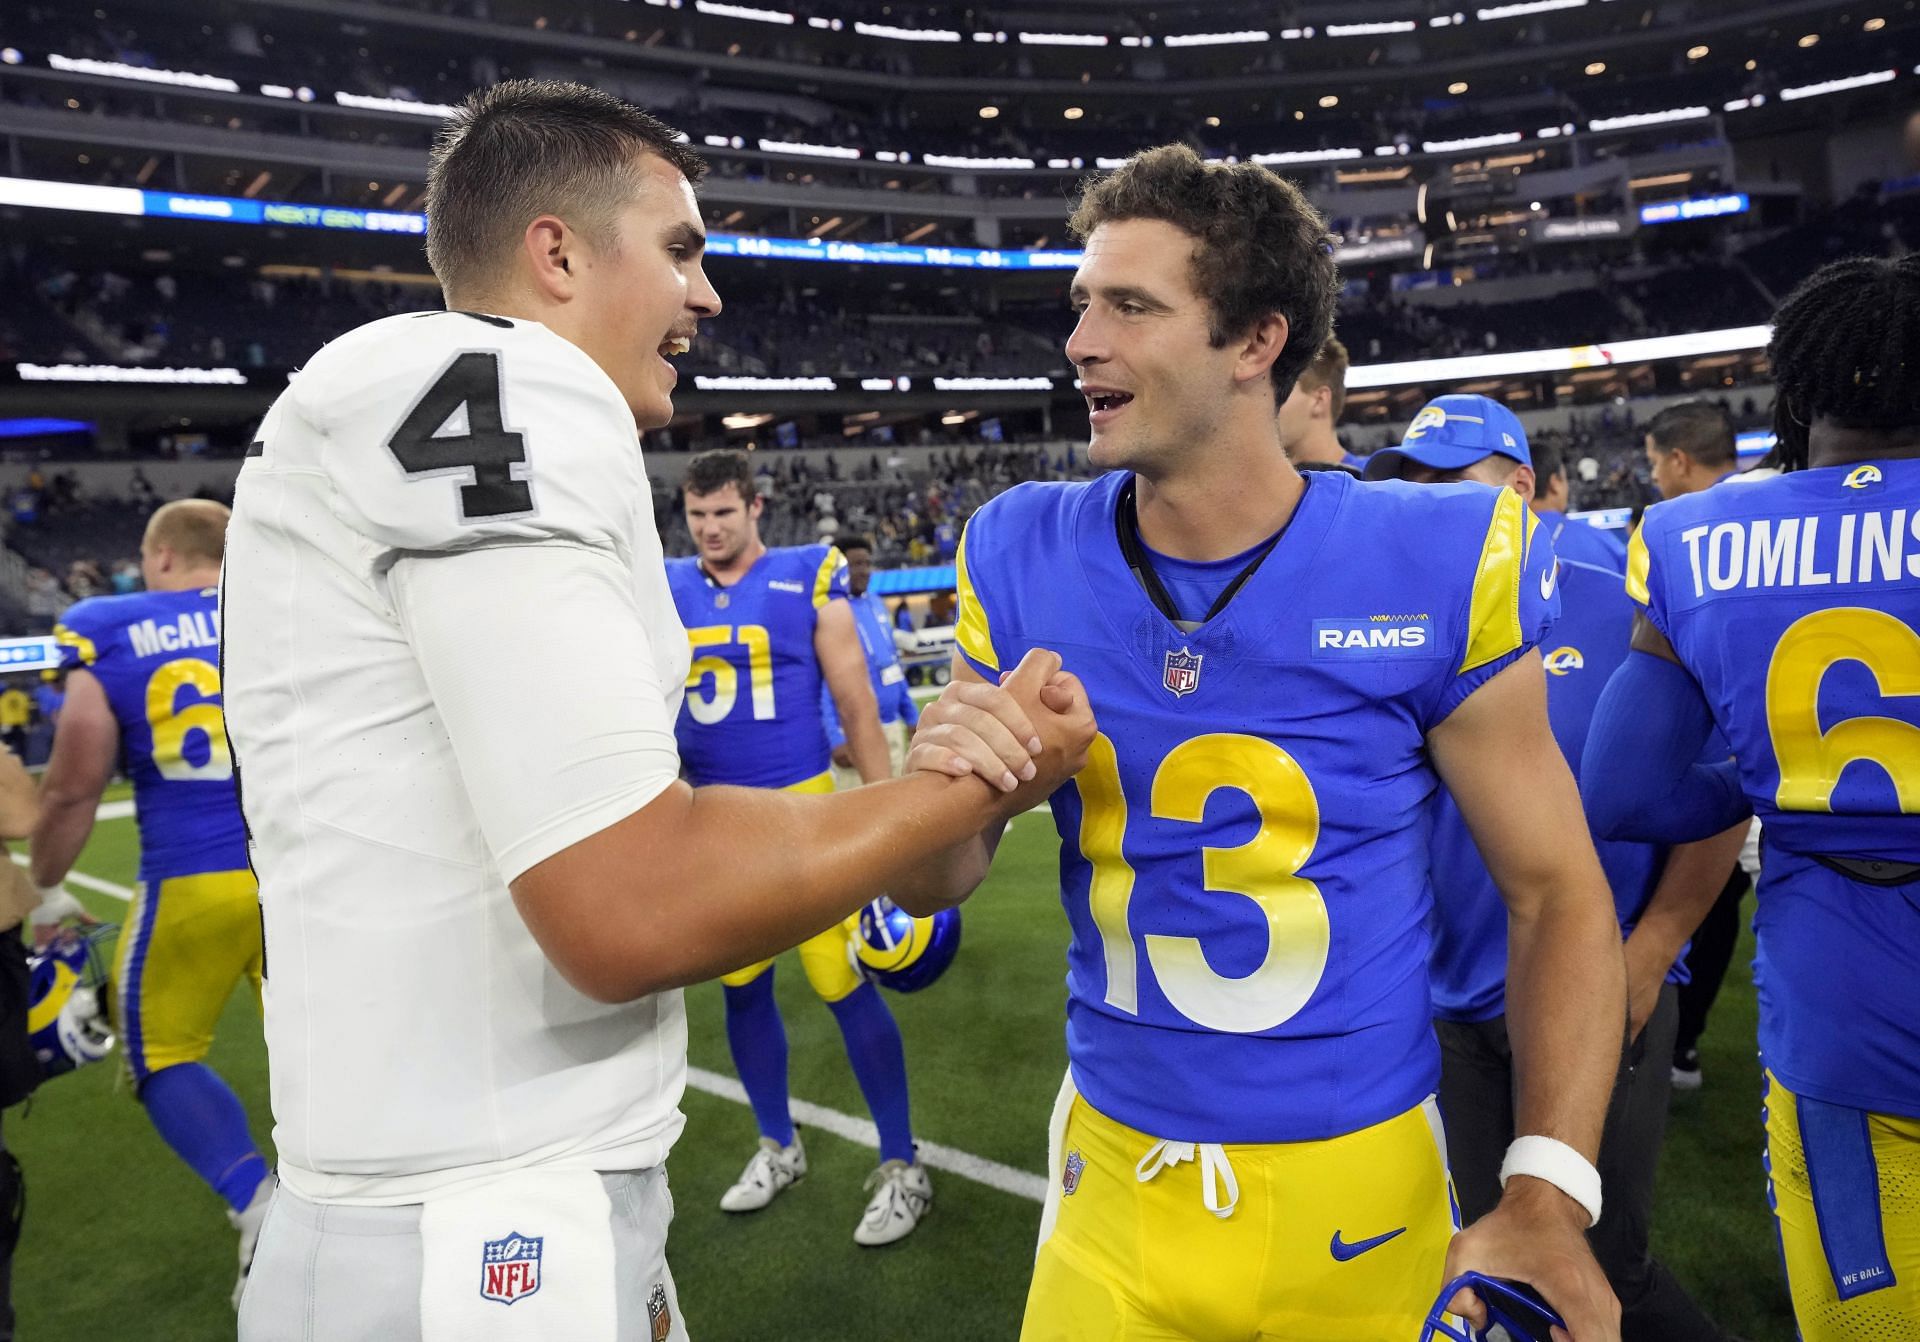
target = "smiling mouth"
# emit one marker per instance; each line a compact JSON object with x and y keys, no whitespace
{"x":675,"y":346}
{"x":1099,"y":401}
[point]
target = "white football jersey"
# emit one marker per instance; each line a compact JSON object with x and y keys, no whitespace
{"x":450,"y":653}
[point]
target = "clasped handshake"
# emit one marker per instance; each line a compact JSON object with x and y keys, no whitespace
{"x":1025,"y":736}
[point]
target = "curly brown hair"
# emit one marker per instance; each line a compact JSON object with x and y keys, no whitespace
{"x":1260,"y":246}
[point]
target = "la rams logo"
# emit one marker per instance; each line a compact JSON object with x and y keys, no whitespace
{"x":1430,"y":417}
{"x":1562,"y":660}
{"x":510,"y":1267}
{"x":1070,"y":1177}
{"x":1860,"y":477}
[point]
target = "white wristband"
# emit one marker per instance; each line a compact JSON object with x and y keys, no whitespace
{"x":1556,"y":1163}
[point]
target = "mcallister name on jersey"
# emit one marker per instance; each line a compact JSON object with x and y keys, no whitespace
{"x":191,"y":629}
{"x":1876,"y":546}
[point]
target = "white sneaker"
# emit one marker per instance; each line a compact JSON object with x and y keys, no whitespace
{"x":248,"y":1223}
{"x":901,"y":1195}
{"x":773,"y":1169}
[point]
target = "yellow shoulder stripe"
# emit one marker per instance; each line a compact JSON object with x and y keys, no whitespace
{"x":1639,"y":566}
{"x":1493,"y":618}
{"x":824,"y":578}
{"x":971,"y":633}
{"x":80,"y":643}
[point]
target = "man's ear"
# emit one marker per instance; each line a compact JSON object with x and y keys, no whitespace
{"x":1262,"y":344}
{"x":549,"y":249}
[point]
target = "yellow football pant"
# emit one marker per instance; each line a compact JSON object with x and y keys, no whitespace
{"x":186,"y":944}
{"x":1343,"y":1240}
{"x":823,"y":958}
{"x":1839,"y":1208}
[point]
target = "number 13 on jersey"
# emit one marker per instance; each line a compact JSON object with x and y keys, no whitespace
{"x":1283,"y":906}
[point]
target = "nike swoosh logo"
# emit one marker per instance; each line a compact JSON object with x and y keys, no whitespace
{"x":1345,"y":1253}
{"x":1547,"y":580}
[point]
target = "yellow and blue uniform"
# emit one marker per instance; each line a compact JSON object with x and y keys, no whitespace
{"x":1586,"y":643}
{"x":1794,"y":603}
{"x":1583,"y":543}
{"x":193,"y":931}
{"x":1244,"y":869}
{"x":751,"y":713}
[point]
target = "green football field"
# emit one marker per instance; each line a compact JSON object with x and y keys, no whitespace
{"x":122,"y":1242}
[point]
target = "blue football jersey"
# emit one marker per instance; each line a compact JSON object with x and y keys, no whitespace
{"x":1795,"y":603}
{"x":157,"y":656}
{"x":752,"y":711}
{"x":1582,"y":649}
{"x":1243,"y":861}
{"x":1579,"y":540}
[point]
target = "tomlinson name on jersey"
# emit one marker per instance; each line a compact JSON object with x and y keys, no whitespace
{"x":1867,"y":547}
{"x":193,"y":629}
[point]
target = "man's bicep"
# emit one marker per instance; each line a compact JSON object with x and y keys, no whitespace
{"x":542,"y":770}
{"x":836,"y":645}
{"x":86,"y":741}
{"x":1497,"y":756}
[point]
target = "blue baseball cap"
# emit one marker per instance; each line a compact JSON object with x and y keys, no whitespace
{"x":1452,"y":432}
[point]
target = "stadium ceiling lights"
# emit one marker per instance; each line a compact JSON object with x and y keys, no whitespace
{"x":747,"y":12}
{"x":1638,"y":119}
{"x":1241,"y":38}
{"x":120,"y":70}
{"x":1515,"y":11}
{"x":1063,"y":39}
{"x":1838,"y":85}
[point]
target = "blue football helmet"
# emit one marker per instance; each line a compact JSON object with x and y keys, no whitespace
{"x":66,"y":1016}
{"x":902,"y":952}
{"x":1510,"y":1305}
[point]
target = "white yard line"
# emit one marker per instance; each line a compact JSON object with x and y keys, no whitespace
{"x":80,"y":878}
{"x":933,"y":1155}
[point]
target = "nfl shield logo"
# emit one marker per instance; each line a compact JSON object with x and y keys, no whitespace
{"x":510,"y":1268}
{"x":659,"y":1315}
{"x":1182,"y":674}
{"x":1070,"y":1178}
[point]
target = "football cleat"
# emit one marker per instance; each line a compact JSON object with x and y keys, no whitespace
{"x":1510,"y":1305}
{"x":901,"y":1195}
{"x":66,"y":1018}
{"x":772,"y":1171}
{"x":248,"y":1221}
{"x":902,"y":952}
{"x":1686,"y":1070}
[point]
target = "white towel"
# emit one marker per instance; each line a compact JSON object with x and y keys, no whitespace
{"x":527,"y":1257}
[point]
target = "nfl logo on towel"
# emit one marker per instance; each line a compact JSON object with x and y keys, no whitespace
{"x":1182,"y":674}
{"x":510,"y":1268}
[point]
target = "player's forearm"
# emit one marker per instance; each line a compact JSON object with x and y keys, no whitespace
{"x":860,"y":719}
{"x":703,"y":881}
{"x":1641,"y":775}
{"x":1689,"y":884}
{"x":1566,"y":1005}
{"x":944,"y":879}
{"x":66,"y":820}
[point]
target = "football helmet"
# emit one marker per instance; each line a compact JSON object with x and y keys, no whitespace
{"x":902,"y":952}
{"x":66,"y":1017}
{"x":1510,"y":1305}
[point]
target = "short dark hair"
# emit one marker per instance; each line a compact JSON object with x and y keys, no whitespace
{"x":1261,"y":246}
{"x":1328,"y":369}
{"x":528,"y":147}
{"x":1846,"y":347}
{"x":713,"y":471}
{"x":853,"y":542}
{"x":1548,"y":461}
{"x":1701,"y":429}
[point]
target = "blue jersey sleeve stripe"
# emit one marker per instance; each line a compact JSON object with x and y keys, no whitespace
{"x":972,"y":632}
{"x":1493,"y":617}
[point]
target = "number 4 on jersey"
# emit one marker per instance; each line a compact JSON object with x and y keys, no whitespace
{"x":493,"y":456}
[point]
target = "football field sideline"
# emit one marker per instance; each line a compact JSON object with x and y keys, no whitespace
{"x":1020,"y":1183}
